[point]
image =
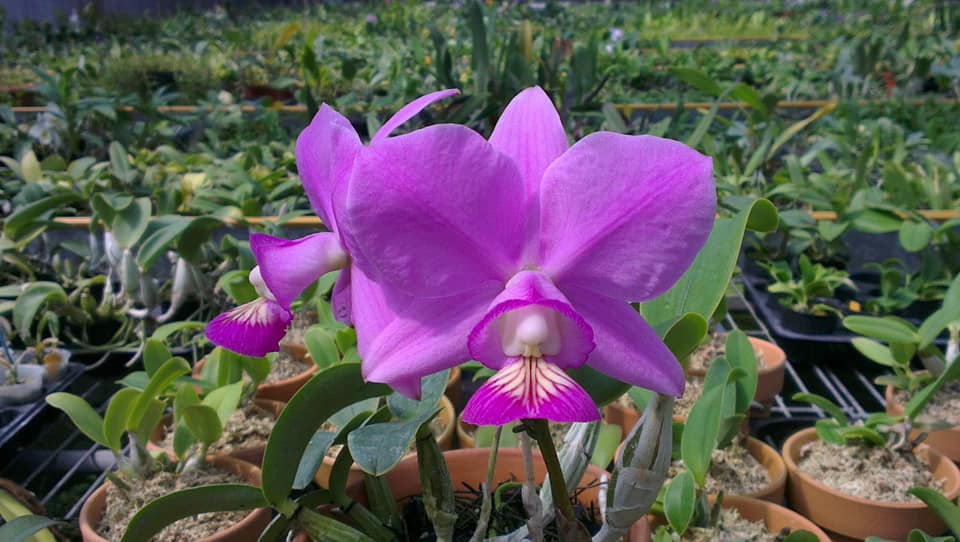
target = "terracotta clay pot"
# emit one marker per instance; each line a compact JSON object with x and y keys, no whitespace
{"x":280,"y":391}
{"x":947,"y":441}
{"x":296,"y":350}
{"x":447,"y":416}
{"x":249,"y":528}
{"x":769,"y":377}
{"x":470,"y":467}
{"x":252,"y":455}
{"x":857,"y":517}
{"x":775,"y":517}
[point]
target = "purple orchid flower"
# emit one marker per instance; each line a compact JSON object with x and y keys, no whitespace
{"x":325,"y":151}
{"x":523,"y":254}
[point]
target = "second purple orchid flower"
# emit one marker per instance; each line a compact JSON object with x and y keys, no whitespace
{"x":531,"y":252}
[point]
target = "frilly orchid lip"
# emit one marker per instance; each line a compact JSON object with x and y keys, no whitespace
{"x":326,"y":151}
{"x":460,"y":221}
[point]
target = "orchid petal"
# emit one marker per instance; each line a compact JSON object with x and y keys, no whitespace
{"x":530,"y":132}
{"x":628,"y":349}
{"x":439,"y":212}
{"x":253,"y":329}
{"x":530,"y":288}
{"x":370,"y":310}
{"x":289,"y":266}
{"x":409,"y":111}
{"x":325,"y":151}
{"x":530,"y":389}
{"x":427,"y":336}
{"x":625,"y":215}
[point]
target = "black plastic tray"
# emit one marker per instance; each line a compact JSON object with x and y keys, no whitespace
{"x":15,"y":418}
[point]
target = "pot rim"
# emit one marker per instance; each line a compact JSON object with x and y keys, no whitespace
{"x":804,"y":436}
{"x":89,"y":525}
{"x":773,"y":366}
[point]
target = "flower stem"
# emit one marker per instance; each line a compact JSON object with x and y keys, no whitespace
{"x":540,"y":431}
{"x":481,"y":531}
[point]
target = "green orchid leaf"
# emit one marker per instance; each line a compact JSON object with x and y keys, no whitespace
{"x":224,"y":400}
{"x":678,"y":502}
{"x":377,"y":448}
{"x":942,"y":506}
{"x":886,"y":329}
{"x":702,"y":431}
{"x":431,"y":389}
{"x":327,"y":392}
{"x":30,"y":528}
{"x":740,"y":354}
{"x":322,"y":346}
{"x":129,"y":224}
{"x":876,"y":352}
{"x":165,"y":376}
{"x":801,"y":536}
{"x":827,"y":405}
{"x":701,"y":289}
{"x":21,"y":221}
{"x":29,"y":302}
{"x":163,"y":511}
{"x":915,"y":236}
{"x":203,"y":422}
{"x":920,"y":399}
{"x":155,"y":353}
{"x":115,"y":419}
{"x":81,"y":414}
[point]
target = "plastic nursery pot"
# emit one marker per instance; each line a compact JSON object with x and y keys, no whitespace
{"x":946,"y":441}
{"x":859,"y":518}
{"x":28,"y":389}
{"x":280,"y":391}
{"x":447,"y":417}
{"x":249,"y":528}
{"x":252,"y":455}
{"x":770,"y":459}
{"x":769,"y":377}
{"x":775,"y":517}
{"x":469,"y":468}
{"x":808,"y":323}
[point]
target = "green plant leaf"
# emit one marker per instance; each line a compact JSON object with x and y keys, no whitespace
{"x":875,"y":351}
{"x":322,"y":346}
{"x":678,"y":501}
{"x":431,"y":389}
{"x":701,"y":289}
{"x":192,"y":239}
{"x":915,"y":236}
{"x":942,"y":506}
{"x":155,"y":353}
{"x":684,"y":336}
{"x":697,"y":79}
{"x":740,"y":354}
{"x":158,"y":242}
{"x":81,"y":414}
{"x":30,"y":167}
{"x":30,"y":528}
{"x":885,"y":329}
{"x":163,"y":511}
{"x":36,"y":295}
{"x":827,"y":405}
{"x":120,"y":162}
{"x":702,"y":430}
{"x":325,"y":393}
{"x":166,"y":330}
{"x":115,"y":419}
{"x":129,"y":224}
{"x":24,"y":218}
{"x":876,"y":221}
{"x":377,"y":448}
{"x":172,"y":369}
{"x":801,"y":536}
{"x":203,"y":422}
{"x":224,"y":400}
{"x":920,"y":399}
{"x":608,"y":438}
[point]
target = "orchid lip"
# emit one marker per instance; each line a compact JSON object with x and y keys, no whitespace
{"x":530,"y":387}
{"x":252,"y":329}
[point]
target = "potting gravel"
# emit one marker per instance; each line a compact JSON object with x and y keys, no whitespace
{"x":732,"y":470}
{"x":284,"y":367}
{"x":875,"y":473}
{"x":122,"y":506}
{"x":732,"y":528}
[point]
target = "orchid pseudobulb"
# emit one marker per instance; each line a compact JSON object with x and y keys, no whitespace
{"x":524,"y":254}
{"x":325,"y":152}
